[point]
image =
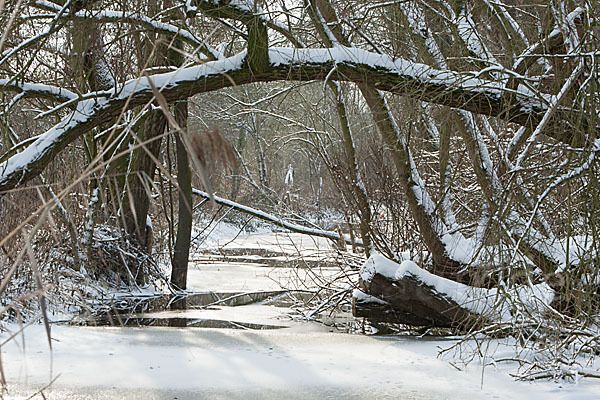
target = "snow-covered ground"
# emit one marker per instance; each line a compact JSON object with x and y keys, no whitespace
{"x":304,"y":360}
{"x":226,"y":237}
{"x":237,"y":276}
{"x":286,"y":250}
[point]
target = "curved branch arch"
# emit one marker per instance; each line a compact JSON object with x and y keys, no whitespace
{"x":383,"y":72}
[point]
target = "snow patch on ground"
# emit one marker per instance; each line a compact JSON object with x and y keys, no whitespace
{"x":224,"y":235}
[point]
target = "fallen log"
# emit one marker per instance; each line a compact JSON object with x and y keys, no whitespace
{"x":408,"y":301}
{"x":411,"y":302}
{"x":407,"y":294}
{"x":336,"y":237}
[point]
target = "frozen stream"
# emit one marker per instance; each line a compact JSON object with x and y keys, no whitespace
{"x":302,"y":360}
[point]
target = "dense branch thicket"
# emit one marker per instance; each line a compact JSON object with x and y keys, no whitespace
{"x":460,"y":134}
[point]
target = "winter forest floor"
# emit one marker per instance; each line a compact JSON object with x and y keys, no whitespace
{"x":300,"y":360}
{"x":298,"y":363}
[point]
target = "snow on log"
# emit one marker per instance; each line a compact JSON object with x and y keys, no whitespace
{"x":336,"y":237}
{"x":407,"y":294}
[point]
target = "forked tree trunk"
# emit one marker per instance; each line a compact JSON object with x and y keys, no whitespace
{"x":142,"y":166}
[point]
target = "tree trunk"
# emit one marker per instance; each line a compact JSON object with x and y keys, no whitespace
{"x":240,"y":146}
{"x":142,"y":166}
{"x":139,"y":180}
{"x":356,"y":184}
{"x":180,"y":258}
{"x":430,"y":226}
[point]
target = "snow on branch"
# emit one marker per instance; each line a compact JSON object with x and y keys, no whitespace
{"x":243,"y":11}
{"x":37,"y":90}
{"x":381,"y":71}
{"x":551,"y":44}
{"x":136,"y":18}
{"x":277,"y":221}
{"x":105,"y":106}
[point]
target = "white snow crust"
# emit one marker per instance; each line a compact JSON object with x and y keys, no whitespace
{"x":305,"y":362}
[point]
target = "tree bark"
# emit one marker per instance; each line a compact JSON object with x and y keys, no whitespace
{"x":139,"y":181}
{"x":412,"y":302}
{"x":180,"y":258}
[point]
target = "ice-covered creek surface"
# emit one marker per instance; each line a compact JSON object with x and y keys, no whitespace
{"x":253,"y":350}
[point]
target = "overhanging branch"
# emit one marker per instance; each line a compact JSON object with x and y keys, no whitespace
{"x":396,"y":76}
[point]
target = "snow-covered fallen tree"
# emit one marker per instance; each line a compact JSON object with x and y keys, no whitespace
{"x":272,"y":219}
{"x":407,"y":294}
